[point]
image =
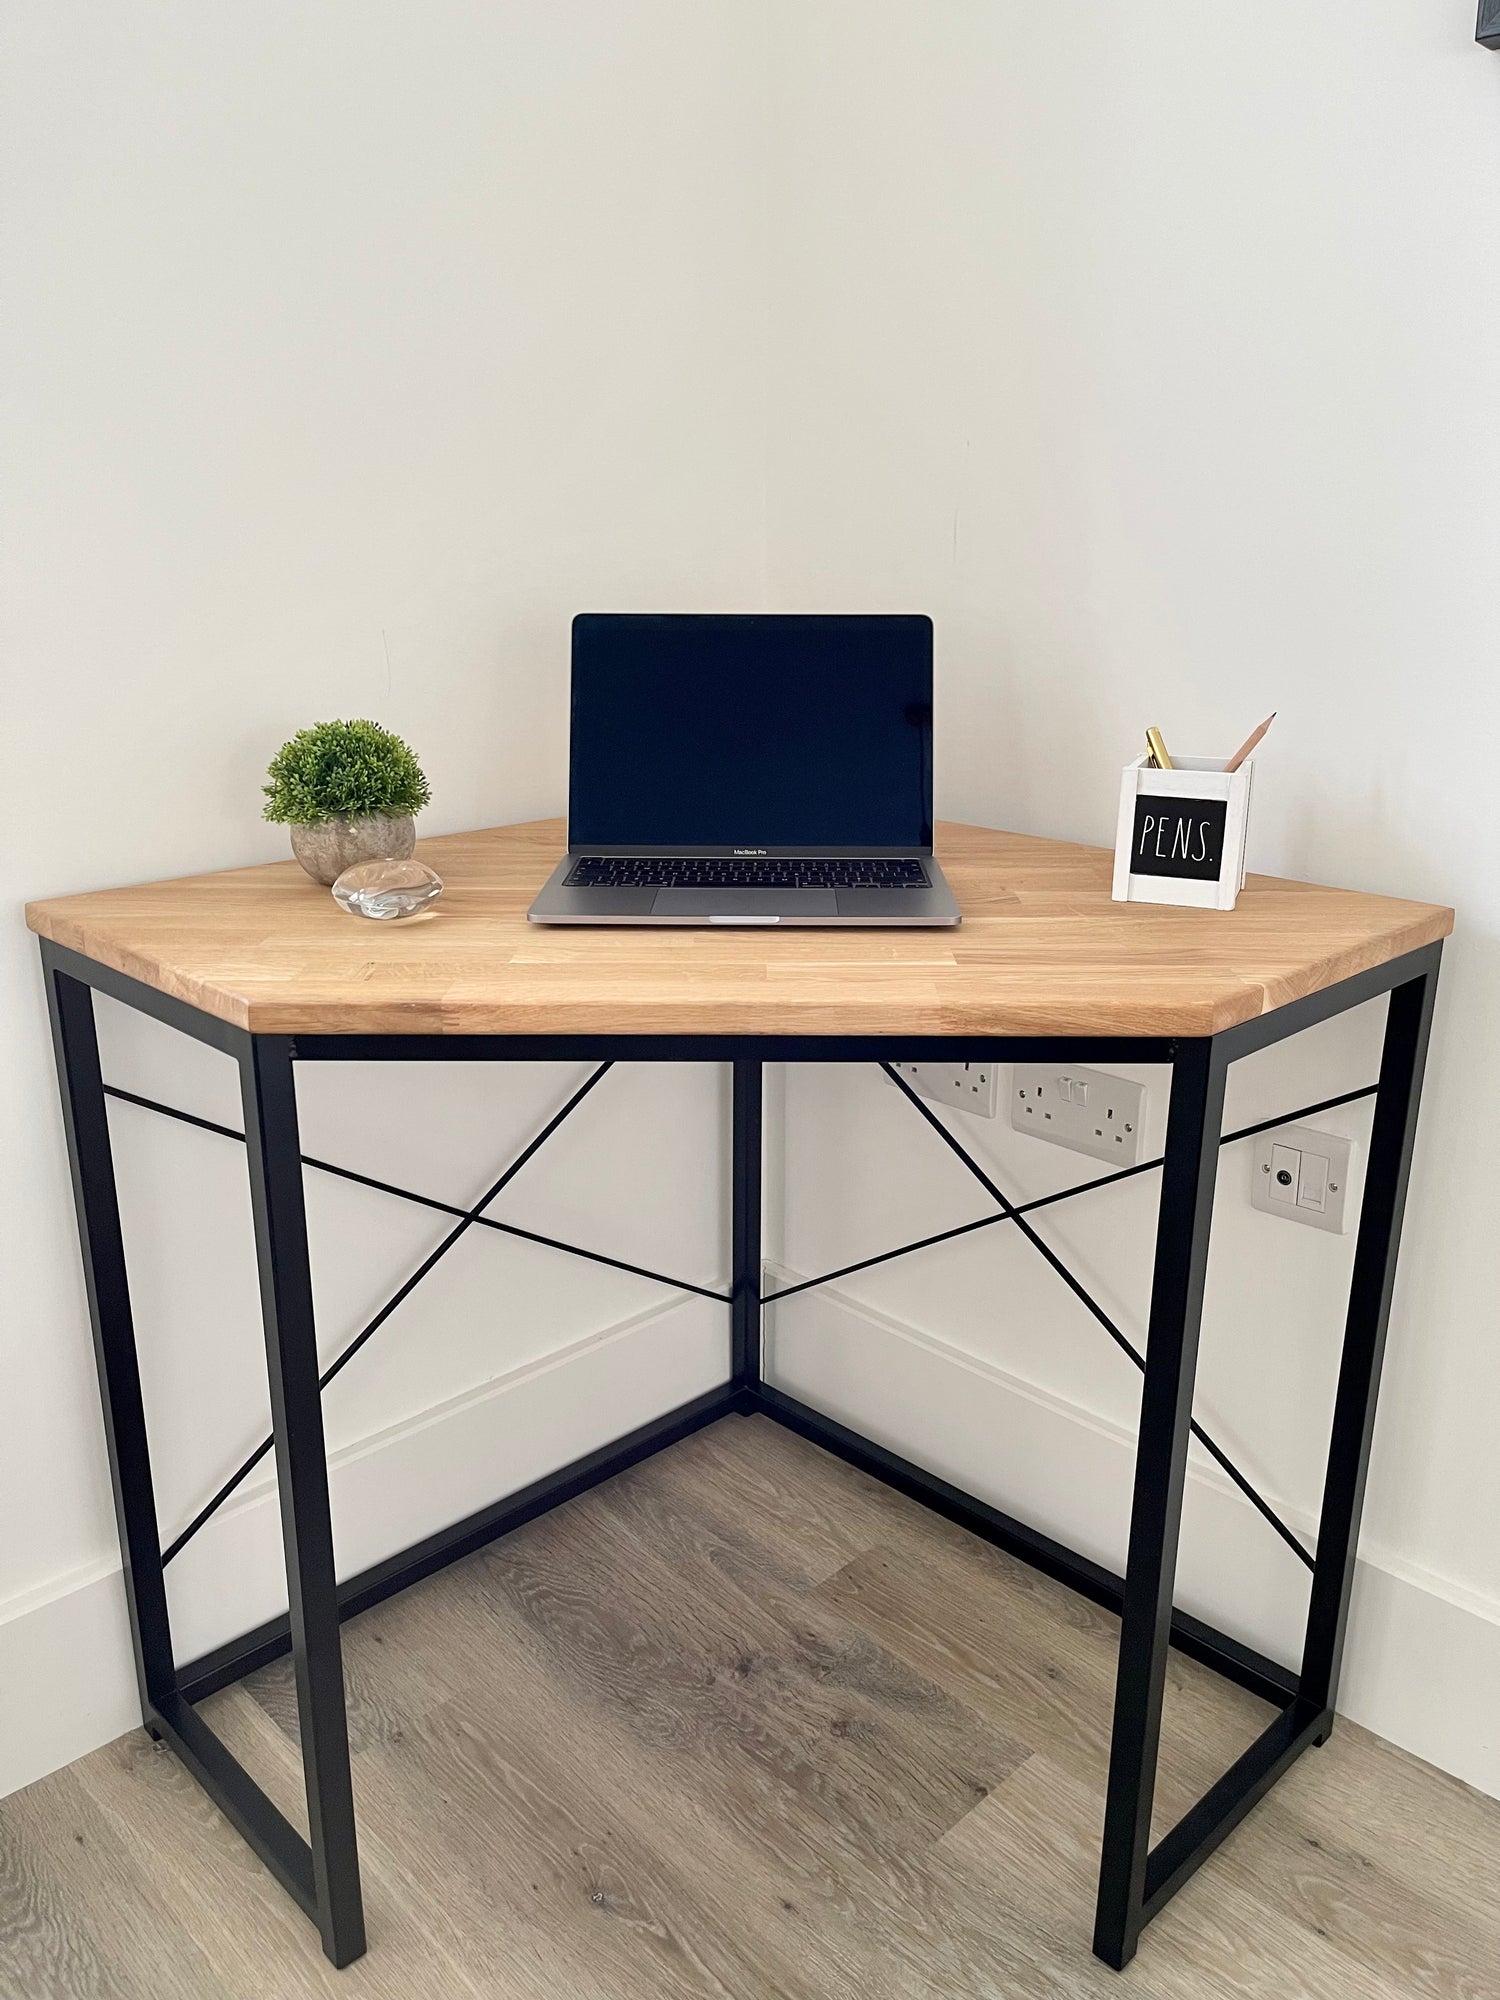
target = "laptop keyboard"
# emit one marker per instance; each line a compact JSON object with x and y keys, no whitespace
{"x":644,"y":871}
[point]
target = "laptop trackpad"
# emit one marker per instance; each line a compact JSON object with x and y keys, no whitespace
{"x":754,"y":904}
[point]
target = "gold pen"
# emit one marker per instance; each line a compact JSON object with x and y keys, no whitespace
{"x":1157,"y":749}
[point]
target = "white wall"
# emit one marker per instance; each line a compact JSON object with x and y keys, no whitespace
{"x":1152,"y":350}
{"x":353,"y":348}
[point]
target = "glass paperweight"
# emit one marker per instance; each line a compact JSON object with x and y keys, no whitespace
{"x":386,"y":889}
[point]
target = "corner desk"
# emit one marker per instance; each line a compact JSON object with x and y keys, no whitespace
{"x":261,"y":964}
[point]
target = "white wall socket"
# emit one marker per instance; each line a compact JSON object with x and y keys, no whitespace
{"x":971,"y":1086}
{"x":1086,"y":1110}
{"x":1302,"y":1175}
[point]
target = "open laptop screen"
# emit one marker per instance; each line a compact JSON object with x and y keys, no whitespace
{"x":754,"y":731}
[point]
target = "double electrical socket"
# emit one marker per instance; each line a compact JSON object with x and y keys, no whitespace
{"x":971,"y":1086}
{"x":1086,"y":1110}
{"x":1083,"y":1109}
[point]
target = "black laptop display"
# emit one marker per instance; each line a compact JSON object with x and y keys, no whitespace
{"x":721,"y":732}
{"x":757,"y":768}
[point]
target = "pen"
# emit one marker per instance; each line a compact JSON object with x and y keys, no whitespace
{"x":1249,"y":743}
{"x":1158,"y":749}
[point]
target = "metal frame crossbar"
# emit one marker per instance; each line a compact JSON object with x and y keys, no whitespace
{"x":1007,"y":1211}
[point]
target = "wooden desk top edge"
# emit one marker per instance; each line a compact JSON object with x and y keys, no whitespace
{"x":1021,"y":889}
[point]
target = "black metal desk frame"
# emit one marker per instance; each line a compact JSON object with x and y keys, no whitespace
{"x":1136,"y":1879}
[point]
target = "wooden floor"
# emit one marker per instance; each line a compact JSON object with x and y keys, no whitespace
{"x":744,"y":1724}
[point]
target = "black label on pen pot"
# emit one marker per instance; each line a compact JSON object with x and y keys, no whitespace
{"x":1181,"y":837}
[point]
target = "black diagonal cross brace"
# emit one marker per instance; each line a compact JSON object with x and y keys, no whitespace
{"x":467,"y":1218}
{"x":1010,"y":1211}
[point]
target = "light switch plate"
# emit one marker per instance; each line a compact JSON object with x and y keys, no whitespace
{"x":1086,"y":1110}
{"x":1302,"y":1175}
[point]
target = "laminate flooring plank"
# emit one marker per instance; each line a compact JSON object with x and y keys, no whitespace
{"x":746,"y":1551}
{"x":944,"y":1943}
{"x":1039,"y":1833}
{"x":755,"y":1852}
{"x":788,"y":1481}
{"x":381,"y":1705}
{"x":757,"y":1472}
{"x":648,"y":1856}
{"x":1345,"y":1882}
{"x":1312,"y":1874}
{"x":785,"y":1729}
{"x":1432,"y":1831}
{"x":644,"y":1841}
{"x":744,"y":1725}
{"x":939,"y":1749}
{"x":1045,"y":1651}
{"x":493,"y":1803}
{"x":533,"y":1849}
{"x":223,"y":1897}
{"x":1049,"y":1682}
{"x":417,"y":1887}
{"x":886,"y":1758}
{"x":1068,"y":1647}
{"x":801,"y":1697}
{"x":806,"y":1500}
{"x":78,"y":1920}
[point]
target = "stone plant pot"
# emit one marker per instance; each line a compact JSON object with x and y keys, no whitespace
{"x":332,"y":845}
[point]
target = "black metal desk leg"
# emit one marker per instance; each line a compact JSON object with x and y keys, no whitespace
{"x":268,"y":1091}
{"x":1407,"y":1030}
{"x":745,"y":1309}
{"x":76,"y":1045}
{"x":1184,"y":1218}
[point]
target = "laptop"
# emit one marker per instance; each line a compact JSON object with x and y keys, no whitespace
{"x":752,"y":769}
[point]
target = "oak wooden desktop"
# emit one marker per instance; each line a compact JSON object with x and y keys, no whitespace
{"x":262,"y":964}
{"x":1042,"y":950}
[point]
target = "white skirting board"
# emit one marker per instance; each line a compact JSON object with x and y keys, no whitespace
{"x":65,"y":1666}
{"x":1423,"y":1657}
{"x":65,"y":1672}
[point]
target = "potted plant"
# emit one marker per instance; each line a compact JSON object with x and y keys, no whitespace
{"x":348,"y":792}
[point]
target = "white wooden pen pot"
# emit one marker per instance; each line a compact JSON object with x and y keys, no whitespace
{"x":1181,"y":833}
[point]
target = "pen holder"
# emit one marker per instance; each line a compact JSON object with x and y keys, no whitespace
{"x":1181,"y":834}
